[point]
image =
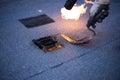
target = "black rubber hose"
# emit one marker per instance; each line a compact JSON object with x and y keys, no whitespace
{"x":94,"y":33}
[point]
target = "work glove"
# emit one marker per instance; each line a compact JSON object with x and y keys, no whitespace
{"x":98,"y":12}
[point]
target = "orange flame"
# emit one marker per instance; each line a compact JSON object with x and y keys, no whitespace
{"x":74,"y":13}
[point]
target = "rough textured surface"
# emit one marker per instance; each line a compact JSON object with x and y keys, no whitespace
{"x":20,"y":59}
{"x":36,"y":21}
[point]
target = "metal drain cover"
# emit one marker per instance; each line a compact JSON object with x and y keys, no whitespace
{"x":36,"y":21}
{"x":48,"y":43}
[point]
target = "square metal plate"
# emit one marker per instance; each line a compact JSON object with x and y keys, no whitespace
{"x":48,"y":43}
{"x":36,"y":21}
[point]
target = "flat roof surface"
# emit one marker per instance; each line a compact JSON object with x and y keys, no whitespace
{"x":20,"y":59}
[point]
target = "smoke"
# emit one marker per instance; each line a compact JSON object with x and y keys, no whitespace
{"x":75,"y":13}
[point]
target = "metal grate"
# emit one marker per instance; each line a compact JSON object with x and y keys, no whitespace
{"x":36,"y":21}
{"x":49,"y":43}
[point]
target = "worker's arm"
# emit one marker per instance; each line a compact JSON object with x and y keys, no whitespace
{"x":98,"y":12}
{"x":89,"y":1}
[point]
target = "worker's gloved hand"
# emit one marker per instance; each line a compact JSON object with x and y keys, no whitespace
{"x":98,"y":13}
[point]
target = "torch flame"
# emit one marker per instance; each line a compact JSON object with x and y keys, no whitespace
{"x":74,"y":13}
